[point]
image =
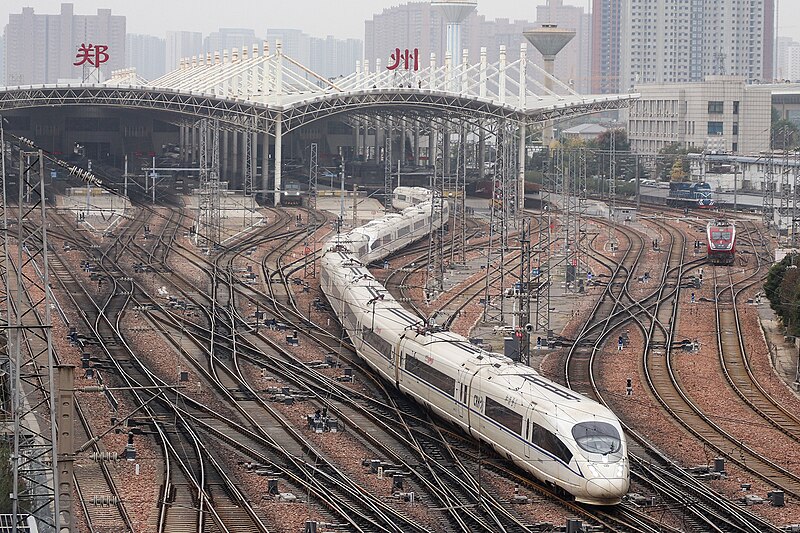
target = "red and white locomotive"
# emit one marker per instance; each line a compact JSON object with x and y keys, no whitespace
{"x":721,"y":241}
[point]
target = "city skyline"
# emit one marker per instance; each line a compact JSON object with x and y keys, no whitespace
{"x":226,"y":32}
{"x":341,"y":24}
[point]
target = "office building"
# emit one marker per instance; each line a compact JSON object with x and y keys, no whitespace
{"x":44,"y":48}
{"x":721,"y":114}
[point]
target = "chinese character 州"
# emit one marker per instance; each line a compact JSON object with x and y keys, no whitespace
{"x":406,"y":57}
{"x":94,"y":54}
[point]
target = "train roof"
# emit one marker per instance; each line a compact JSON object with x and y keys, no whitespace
{"x":416,"y":191}
{"x":720,"y":224}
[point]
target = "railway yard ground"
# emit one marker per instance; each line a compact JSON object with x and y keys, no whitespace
{"x":267,"y":421}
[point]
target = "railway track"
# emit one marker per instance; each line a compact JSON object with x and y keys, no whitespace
{"x":653,"y":315}
{"x":238,"y":323}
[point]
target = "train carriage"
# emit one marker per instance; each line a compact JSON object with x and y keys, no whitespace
{"x":403,"y":197}
{"x":721,"y":242}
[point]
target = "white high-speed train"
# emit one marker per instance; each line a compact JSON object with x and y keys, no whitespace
{"x":403,"y":197}
{"x":561,"y":437}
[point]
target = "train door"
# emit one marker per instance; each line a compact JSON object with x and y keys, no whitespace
{"x":462,"y":397}
{"x":528,"y":431}
{"x":398,"y":364}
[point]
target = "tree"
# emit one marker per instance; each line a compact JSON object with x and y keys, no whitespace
{"x":782,"y":288}
{"x":677,"y":173}
{"x":666,"y":163}
{"x":784,"y":134}
{"x":624,"y":162}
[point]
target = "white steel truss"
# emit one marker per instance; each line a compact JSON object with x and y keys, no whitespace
{"x":258,"y":87}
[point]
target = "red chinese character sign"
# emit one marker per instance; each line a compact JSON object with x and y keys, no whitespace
{"x":410,"y":59}
{"x":92,"y":55}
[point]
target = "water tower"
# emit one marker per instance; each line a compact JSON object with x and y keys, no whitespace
{"x":454,"y":13}
{"x":549,"y":40}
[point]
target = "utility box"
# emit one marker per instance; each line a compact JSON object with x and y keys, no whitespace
{"x":511,"y":348}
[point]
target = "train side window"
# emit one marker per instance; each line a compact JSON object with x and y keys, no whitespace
{"x":504,"y":416}
{"x":433,"y":377}
{"x":549,"y":442}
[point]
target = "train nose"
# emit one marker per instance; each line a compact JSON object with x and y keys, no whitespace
{"x":607,"y":488}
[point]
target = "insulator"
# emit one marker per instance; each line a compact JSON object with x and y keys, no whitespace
{"x":105,"y":500}
{"x":104,"y":456}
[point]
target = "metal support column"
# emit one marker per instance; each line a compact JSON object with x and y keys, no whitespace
{"x":612,"y":190}
{"x":457,"y":197}
{"x":278,"y":157}
{"x":209,"y":230}
{"x":224,"y":168}
{"x":30,"y":364}
{"x":434,"y":277}
{"x":768,"y":199}
{"x":248,"y":167}
{"x":387,"y":170}
{"x":66,"y":444}
{"x":264,"y":165}
{"x":541,"y":269}
{"x":785,"y":209}
{"x":234,"y":155}
{"x":417,"y":159}
{"x":521,"y":154}
{"x":494,"y":287}
{"x":309,"y":264}
{"x":524,"y":327}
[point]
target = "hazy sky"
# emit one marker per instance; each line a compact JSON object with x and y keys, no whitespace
{"x":342,"y":18}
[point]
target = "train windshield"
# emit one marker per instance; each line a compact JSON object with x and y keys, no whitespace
{"x":597,"y":437}
{"x":720,"y":235}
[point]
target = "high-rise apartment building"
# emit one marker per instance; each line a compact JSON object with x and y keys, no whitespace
{"x":43,"y":48}
{"x":679,"y":41}
{"x":411,"y":25}
{"x":606,"y":41}
{"x":147,"y":53}
{"x":182,"y":44}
